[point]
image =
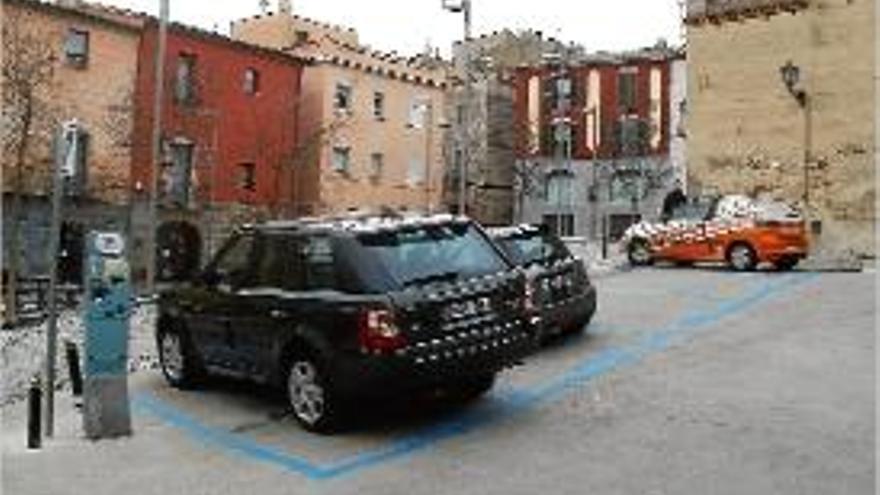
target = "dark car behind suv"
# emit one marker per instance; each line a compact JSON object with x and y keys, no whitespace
{"x":338,"y":309}
{"x":563,"y":298}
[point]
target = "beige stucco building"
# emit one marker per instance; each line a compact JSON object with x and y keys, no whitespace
{"x":371,"y":124}
{"x":747,"y":132}
{"x":93,"y":68}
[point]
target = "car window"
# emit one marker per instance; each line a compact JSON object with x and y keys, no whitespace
{"x":696,"y":209}
{"x":533,"y":247}
{"x":280,"y":265}
{"x":320,"y":268}
{"x":433,"y":253}
{"x":233,"y":265}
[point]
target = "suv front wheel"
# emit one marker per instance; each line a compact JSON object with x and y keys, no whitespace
{"x":177,"y":360}
{"x":639,"y":252}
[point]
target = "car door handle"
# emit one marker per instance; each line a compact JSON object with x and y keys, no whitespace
{"x":191,"y":306}
{"x":278,"y":314}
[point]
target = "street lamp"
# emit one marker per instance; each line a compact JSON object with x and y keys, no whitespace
{"x":463,"y":7}
{"x":791,"y":77}
{"x":155,"y":164}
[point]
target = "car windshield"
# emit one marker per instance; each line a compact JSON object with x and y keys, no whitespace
{"x":696,"y":209}
{"x":433,"y":253}
{"x":533,"y":247}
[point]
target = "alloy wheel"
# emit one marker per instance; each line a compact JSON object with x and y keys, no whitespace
{"x":305,"y":392}
{"x":172,"y":356}
{"x":742,"y":257}
{"x":639,"y":253}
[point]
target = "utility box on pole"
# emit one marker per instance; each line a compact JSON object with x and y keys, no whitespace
{"x":107,"y":306}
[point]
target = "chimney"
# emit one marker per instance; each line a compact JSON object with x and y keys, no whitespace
{"x":285,"y":7}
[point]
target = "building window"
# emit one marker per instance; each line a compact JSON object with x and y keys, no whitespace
{"x":177,"y":173}
{"x":417,"y":111}
{"x":459,"y":114}
{"x":75,"y":172}
{"x":562,"y":225}
{"x":377,"y":162}
{"x":251,"y":81}
{"x":626,"y":91}
{"x":633,"y":137}
{"x":185,"y":84}
{"x":379,"y":105}
{"x":247,"y":176}
{"x":76,"y":47}
{"x":416,"y":172}
{"x":342,"y":159}
{"x":559,"y":190}
{"x":342,"y":99}
{"x":302,"y":37}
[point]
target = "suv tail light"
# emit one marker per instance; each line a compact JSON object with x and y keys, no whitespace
{"x":378,"y":332}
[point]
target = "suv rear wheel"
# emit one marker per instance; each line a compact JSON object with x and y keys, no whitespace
{"x":474,"y":386}
{"x":309,"y":393}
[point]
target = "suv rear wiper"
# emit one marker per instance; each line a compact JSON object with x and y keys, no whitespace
{"x":435,"y":277}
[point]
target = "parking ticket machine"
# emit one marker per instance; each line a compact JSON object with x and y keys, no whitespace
{"x":107,"y":309}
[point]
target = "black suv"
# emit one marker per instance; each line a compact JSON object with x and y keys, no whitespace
{"x":338,"y":309}
{"x":561,"y":293}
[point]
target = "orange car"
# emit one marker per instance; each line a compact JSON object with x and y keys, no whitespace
{"x":734,"y":229}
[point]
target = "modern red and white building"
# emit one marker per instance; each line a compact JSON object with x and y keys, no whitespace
{"x":599,"y":139}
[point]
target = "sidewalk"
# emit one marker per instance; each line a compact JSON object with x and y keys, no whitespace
{"x":148,"y":462}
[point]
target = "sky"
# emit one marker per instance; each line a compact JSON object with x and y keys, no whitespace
{"x":406,"y":26}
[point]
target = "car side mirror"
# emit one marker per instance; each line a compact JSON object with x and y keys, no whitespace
{"x":211,"y":278}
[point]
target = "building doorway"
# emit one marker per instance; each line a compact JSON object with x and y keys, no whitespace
{"x":178,"y":251}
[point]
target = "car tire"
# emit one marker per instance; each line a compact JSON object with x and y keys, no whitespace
{"x":786,"y":264}
{"x":471,"y":387}
{"x":742,"y":257}
{"x":178,"y":360}
{"x":580,"y":326}
{"x":309,"y":393}
{"x":638,"y":252}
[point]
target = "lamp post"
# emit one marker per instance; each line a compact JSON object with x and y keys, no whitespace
{"x":463,"y":7}
{"x":791,"y":76}
{"x":155,"y":164}
{"x":562,"y":124}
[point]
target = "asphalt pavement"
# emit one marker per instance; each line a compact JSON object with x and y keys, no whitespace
{"x":688,"y":381}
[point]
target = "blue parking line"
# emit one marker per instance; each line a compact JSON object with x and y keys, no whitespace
{"x":505,"y":404}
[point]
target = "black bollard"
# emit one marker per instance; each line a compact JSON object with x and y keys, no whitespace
{"x":35,"y":397}
{"x":604,"y":238}
{"x":76,"y":380}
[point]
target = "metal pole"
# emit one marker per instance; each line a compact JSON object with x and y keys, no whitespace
{"x":808,"y":149}
{"x":54,"y":234}
{"x":429,"y":134}
{"x":158,"y":96}
{"x":466,"y":149}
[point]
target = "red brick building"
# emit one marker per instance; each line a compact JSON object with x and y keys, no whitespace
{"x":229,"y":139}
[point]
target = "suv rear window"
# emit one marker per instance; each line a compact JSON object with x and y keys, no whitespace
{"x":432,"y":253}
{"x":533,"y":247}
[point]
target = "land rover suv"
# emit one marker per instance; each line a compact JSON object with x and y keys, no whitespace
{"x":335,"y":310}
{"x":563,"y":297}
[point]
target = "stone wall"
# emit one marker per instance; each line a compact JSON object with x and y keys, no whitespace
{"x":746,"y":132}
